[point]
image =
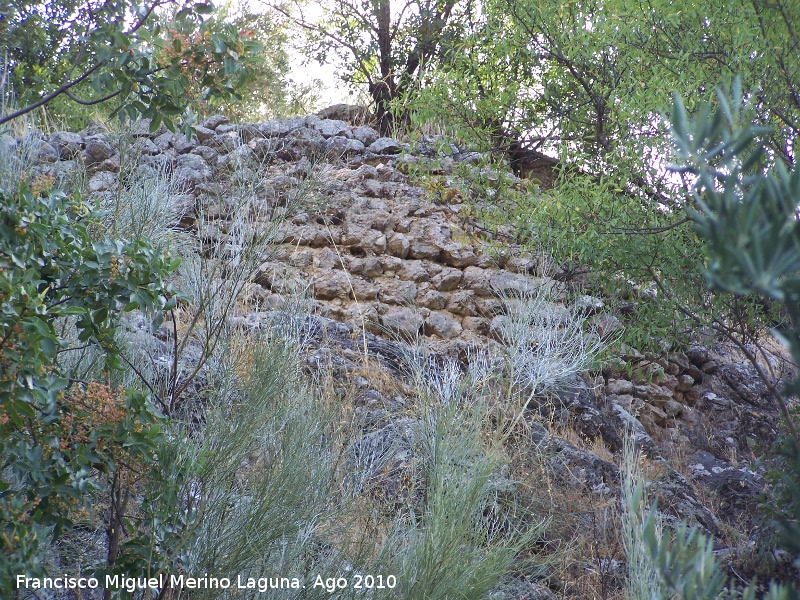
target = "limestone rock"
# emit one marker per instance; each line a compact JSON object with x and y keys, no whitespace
{"x":214,"y":121}
{"x":738,"y":488}
{"x":623,"y":400}
{"x":385,"y":261}
{"x":505,"y":282}
{"x":673,"y":409}
{"x":333,"y":128}
{"x":653,"y":393}
{"x":363,"y":290}
{"x":698,"y":355}
{"x":398,"y":245}
{"x":191,"y":170}
{"x":67,"y":144}
{"x":402,"y":321}
{"x":364,"y":315}
{"x":327,"y":260}
{"x":238,"y":159}
{"x":447,"y":280}
{"x":497,"y":328}
{"x":677,"y":498}
{"x":463,"y":303}
{"x":477,"y":280}
{"x":97,"y":150}
{"x":224,"y":143}
{"x":102,"y":181}
{"x":46,"y":153}
{"x":385,"y":145}
{"x":413,"y":270}
{"x":365,"y":135}
{"x":606,"y":325}
{"x":340,"y":146}
{"x":685,"y":382}
{"x":396,"y":291}
{"x":478,"y":325}
{"x":182,"y":145}
{"x":144,"y":145}
{"x":203,"y":133}
{"x":432,"y":299}
{"x":423,"y":248}
{"x":94,"y":128}
{"x":183,"y":204}
{"x":162,"y":142}
{"x":373,"y":188}
{"x":440,"y":324}
{"x":627,"y":422}
{"x":142,"y":129}
{"x":351,"y":113}
{"x":743,"y":378}
{"x":581,"y":401}
{"x":571,"y":462}
{"x":458,"y":256}
{"x":589,"y":305}
{"x":207,"y":153}
{"x":305,"y":141}
{"x":619,"y":387}
{"x":330,"y":285}
{"x":368,"y":267}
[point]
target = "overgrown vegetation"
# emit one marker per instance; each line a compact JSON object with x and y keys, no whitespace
{"x":165,"y":61}
{"x":150,"y":479}
{"x":748,"y":216}
{"x":146,"y":430}
{"x":589,"y":83}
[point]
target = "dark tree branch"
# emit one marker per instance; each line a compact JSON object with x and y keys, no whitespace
{"x":64,"y":88}
{"x":60,"y":90}
{"x":74,"y":98}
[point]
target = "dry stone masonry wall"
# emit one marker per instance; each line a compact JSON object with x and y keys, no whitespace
{"x":374,"y":252}
{"x":377,"y":254}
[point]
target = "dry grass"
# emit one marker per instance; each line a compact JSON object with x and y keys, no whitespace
{"x":582,"y":550}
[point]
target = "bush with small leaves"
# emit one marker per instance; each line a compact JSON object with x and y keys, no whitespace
{"x":744,"y":207}
{"x":746,"y":212}
{"x":123,"y":56}
{"x":63,"y":438}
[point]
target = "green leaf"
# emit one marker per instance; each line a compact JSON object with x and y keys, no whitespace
{"x":155,"y":122}
{"x":202,"y":8}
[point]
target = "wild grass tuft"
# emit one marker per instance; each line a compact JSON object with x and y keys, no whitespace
{"x":545,"y":344}
{"x":257,"y":475}
{"x":465,"y":536}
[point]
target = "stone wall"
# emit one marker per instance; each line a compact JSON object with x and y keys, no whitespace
{"x":377,"y":254}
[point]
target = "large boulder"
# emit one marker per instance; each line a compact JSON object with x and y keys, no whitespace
{"x":351,"y":113}
{"x":385,"y":145}
{"x":98,"y":148}
{"x":68,"y":144}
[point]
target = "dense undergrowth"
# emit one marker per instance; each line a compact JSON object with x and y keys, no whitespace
{"x":145,"y":433}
